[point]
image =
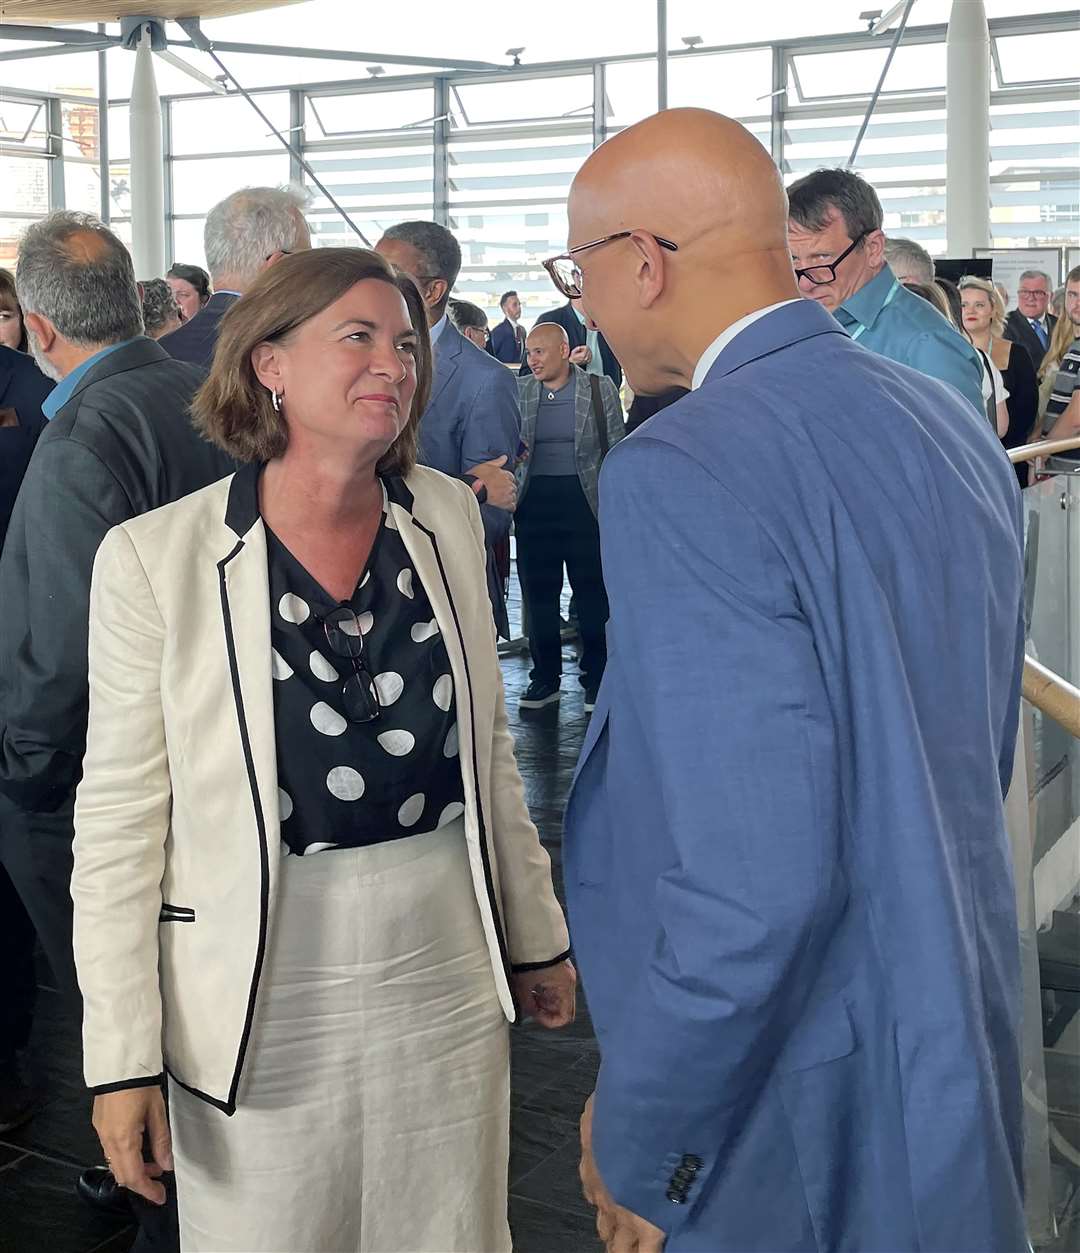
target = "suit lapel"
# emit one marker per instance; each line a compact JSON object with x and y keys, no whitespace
{"x":447,"y":352}
{"x":582,"y":403}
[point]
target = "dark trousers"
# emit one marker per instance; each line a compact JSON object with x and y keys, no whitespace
{"x":35,"y":850}
{"x":18,"y":983}
{"x":554,"y":527}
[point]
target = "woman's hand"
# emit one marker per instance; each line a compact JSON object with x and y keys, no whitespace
{"x":547,"y":995}
{"x":120,"y":1118}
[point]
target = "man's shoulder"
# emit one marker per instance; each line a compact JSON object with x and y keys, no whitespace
{"x":131,"y":400}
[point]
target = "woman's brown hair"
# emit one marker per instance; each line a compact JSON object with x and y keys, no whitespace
{"x":9,"y":301}
{"x":235,"y":411}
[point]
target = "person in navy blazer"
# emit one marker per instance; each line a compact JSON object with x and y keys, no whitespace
{"x":789,"y":881}
{"x":244,"y":233}
{"x":23,"y":387}
{"x":507,"y":342}
{"x":472,"y":424}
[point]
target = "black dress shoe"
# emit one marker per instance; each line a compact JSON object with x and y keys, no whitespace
{"x":18,"y":1100}
{"x":100,"y":1191}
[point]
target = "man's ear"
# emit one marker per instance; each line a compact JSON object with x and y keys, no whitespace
{"x":41,"y":329}
{"x":649,"y":275}
{"x":437,"y":291}
{"x":266,"y":362}
{"x":875,"y":249}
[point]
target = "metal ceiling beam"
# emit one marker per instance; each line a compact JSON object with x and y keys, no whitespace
{"x":55,"y":34}
{"x":58,"y":50}
{"x":332,"y":54}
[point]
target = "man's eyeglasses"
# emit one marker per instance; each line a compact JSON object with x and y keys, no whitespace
{"x":343,"y":635}
{"x":565,"y":273}
{"x":822,"y":275}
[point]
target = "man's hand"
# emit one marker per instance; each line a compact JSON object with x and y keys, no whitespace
{"x":621,"y":1230}
{"x":547,"y":995}
{"x":120,"y":1118}
{"x":501,"y":484}
{"x":581,"y":356}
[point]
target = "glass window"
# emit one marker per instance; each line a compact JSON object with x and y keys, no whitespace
{"x":731,"y":83}
{"x":119,"y":132}
{"x":10,"y":230}
{"x":199,"y":185}
{"x":228,"y":124}
{"x":331,"y":230}
{"x":630,"y":92}
{"x":82,"y":186}
{"x":827,"y":75}
{"x":524,"y":101}
{"x":374,"y":176}
{"x":514,"y":236}
{"x":331,"y":117}
{"x":1031,"y":58}
{"x":900,"y":147}
{"x":1035,"y":174}
{"x":187,"y":236}
{"x":79,"y":127}
{"x":120,"y":188}
{"x":24,"y":184}
{"x":520,"y":171}
{"x":23,"y":123}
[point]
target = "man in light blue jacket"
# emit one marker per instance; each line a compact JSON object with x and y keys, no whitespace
{"x":838,"y":248}
{"x":789,"y":882}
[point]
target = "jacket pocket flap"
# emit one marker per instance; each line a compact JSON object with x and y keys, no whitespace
{"x":824,"y":1035}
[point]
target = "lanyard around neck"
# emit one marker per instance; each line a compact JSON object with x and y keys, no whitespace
{"x":861,"y":327}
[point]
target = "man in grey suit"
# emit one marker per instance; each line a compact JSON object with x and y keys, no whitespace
{"x":472,"y":425}
{"x":119,"y":443}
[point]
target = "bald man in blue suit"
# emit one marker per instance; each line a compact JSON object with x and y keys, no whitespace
{"x":789,"y":882}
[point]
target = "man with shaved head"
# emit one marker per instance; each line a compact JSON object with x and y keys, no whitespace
{"x":569,"y":420}
{"x":789,"y":882}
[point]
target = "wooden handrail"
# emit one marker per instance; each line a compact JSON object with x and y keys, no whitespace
{"x":1028,"y":452}
{"x":1052,"y":695}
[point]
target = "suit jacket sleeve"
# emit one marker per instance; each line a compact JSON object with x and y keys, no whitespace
{"x":43,"y":683}
{"x":743,"y":753}
{"x":951,"y":359}
{"x":493,"y":429}
{"x":121,"y":822}
{"x":536,"y":933}
{"x":613,"y":414}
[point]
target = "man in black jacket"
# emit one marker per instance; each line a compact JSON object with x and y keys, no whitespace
{"x":588,"y":348}
{"x":1032,"y":324}
{"x":119,"y":443}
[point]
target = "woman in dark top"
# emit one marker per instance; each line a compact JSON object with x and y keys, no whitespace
{"x":306,"y":883}
{"x":984,"y":322}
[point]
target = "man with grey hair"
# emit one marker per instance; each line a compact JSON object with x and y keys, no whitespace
{"x":244,"y":233}
{"x":119,"y":443}
{"x":1032,"y":324}
{"x":909,"y":261}
{"x":472,"y":424}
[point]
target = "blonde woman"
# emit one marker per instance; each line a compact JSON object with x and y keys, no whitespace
{"x":984,"y":321}
{"x":306,"y":884}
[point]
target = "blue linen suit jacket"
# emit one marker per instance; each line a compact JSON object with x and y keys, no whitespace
{"x":472,"y":416}
{"x":788,"y":876}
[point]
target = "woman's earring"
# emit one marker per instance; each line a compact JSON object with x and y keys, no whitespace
{"x":275,"y":400}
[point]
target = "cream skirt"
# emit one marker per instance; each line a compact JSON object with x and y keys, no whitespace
{"x":373,"y":1113}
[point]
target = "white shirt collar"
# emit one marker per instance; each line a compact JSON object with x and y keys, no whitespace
{"x":725,"y":337}
{"x":437,"y":329}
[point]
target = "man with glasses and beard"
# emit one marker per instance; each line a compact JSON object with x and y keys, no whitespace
{"x":838,"y":248}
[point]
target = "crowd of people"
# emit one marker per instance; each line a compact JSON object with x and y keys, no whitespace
{"x":258,"y":796}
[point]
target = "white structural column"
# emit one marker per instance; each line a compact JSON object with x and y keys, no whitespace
{"x":967,"y":185}
{"x":147,"y":168}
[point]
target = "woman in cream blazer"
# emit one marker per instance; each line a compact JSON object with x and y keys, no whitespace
{"x":332,"y":1026}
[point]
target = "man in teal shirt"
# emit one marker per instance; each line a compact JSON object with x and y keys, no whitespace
{"x":838,"y":248}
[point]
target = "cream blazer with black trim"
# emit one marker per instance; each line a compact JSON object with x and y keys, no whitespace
{"x":177,"y":845}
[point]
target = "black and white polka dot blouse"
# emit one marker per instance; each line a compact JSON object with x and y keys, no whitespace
{"x":343,"y":782}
